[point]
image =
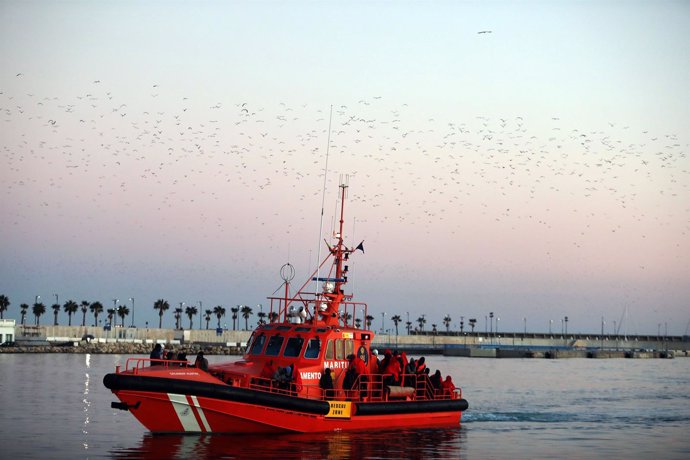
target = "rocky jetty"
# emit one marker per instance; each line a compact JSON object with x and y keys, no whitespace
{"x":121,"y":348}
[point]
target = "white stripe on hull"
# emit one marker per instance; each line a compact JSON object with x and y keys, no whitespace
{"x":184,"y":413}
{"x":202,"y":416}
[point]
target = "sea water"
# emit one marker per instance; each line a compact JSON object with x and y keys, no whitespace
{"x":55,"y":406}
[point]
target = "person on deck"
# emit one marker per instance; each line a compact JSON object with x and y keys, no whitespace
{"x":201,"y":362}
{"x":436,"y":380}
{"x":156,"y":353}
{"x":392,"y":371}
{"x":326,"y":384}
{"x":296,"y":379}
{"x":421,"y":365}
{"x":374,"y":362}
{"x":448,"y":386}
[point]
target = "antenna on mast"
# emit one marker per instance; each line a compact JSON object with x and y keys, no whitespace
{"x":323,"y":202}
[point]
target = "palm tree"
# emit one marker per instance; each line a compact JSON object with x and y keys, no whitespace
{"x":96,"y":308}
{"x":207,"y":316}
{"x":246,"y":313}
{"x":409,"y":326}
{"x":190,"y":312}
{"x":70,"y":308}
{"x":433,"y":328}
{"x":38,"y":310}
{"x":358,"y":323}
{"x":84,"y":310}
{"x":111,"y":314}
{"x":4,"y":305}
{"x":422,"y":321}
{"x":23,"y":308}
{"x":396,"y":320}
{"x":446,"y":321}
{"x":122,"y":312}
{"x":178,"y":317}
{"x":473,"y":323}
{"x":219,"y":312}
{"x":234,"y":311}
{"x":161,"y":305}
{"x":56,"y":310}
{"x":346,"y":317}
{"x":273,"y":316}
{"x":261,"y":316}
{"x":369,"y":319}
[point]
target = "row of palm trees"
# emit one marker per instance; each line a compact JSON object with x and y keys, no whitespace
{"x":161,"y":305}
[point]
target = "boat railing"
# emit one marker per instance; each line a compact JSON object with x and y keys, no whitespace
{"x":352,"y":311}
{"x":134,"y":364}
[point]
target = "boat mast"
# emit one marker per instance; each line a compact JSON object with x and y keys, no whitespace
{"x":332,"y":285}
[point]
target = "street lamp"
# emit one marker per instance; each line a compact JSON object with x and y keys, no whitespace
{"x":200,"y":310}
{"x":491,"y":322}
{"x":131,"y":299}
{"x":498,"y":336}
{"x":550,"y":323}
{"x":524,"y":321}
{"x":383,"y":314}
{"x":566,"y":325}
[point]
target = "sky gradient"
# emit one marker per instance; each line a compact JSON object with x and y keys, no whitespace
{"x":177,"y":150}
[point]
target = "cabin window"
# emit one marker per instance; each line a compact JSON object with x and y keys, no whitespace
{"x":293,"y":347}
{"x":349,"y":347}
{"x":313,"y":348}
{"x":257,"y":345}
{"x":274,"y":345}
{"x":340,"y":349}
{"x":330,"y":353}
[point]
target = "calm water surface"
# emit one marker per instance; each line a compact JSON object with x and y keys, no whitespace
{"x":55,"y":406}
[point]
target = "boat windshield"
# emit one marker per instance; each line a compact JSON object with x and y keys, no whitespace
{"x":274,"y":345}
{"x":293,"y":347}
{"x":313,"y":348}
{"x":257,"y":345}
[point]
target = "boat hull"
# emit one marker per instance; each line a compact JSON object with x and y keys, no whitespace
{"x":167,"y":406}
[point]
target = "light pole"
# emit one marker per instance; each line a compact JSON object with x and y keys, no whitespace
{"x":131,"y":299}
{"x":200,"y":310}
{"x":383,"y":315}
{"x":491,"y":322}
{"x":524,"y":321}
{"x":498,"y":336}
{"x":566,"y":325}
{"x":603,"y":323}
{"x":36,"y":299}
{"x":56,"y":299}
{"x":112,"y":328}
{"x":550,"y":324}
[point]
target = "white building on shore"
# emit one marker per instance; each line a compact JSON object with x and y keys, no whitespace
{"x":6,"y":330}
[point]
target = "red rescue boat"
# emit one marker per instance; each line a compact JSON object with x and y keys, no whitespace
{"x":275,"y":387}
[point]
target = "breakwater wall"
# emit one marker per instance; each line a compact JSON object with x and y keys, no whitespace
{"x":126,"y":340}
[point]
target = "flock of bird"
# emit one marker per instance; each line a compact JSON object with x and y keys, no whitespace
{"x":224,"y":176}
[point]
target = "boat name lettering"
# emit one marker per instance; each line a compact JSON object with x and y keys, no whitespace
{"x":310,"y":375}
{"x":336,"y":364}
{"x":184,"y":373}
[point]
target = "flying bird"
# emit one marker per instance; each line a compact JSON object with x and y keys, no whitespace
{"x":485,"y":32}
